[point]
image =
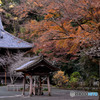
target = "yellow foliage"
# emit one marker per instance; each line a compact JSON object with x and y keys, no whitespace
{"x":11,"y":6}
{"x":0,"y":2}
{"x":15,"y":18}
{"x":60,"y":79}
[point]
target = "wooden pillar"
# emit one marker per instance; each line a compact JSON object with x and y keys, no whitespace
{"x":24,"y":81}
{"x":48,"y":82}
{"x":34,"y":86}
{"x":31,"y":87}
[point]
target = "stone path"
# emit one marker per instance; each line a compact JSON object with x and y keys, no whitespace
{"x":57,"y":94}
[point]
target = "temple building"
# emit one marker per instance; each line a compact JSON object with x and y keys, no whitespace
{"x":39,"y":67}
{"x":11,"y":44}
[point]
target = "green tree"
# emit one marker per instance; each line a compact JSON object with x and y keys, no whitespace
{"x":74,"y":79}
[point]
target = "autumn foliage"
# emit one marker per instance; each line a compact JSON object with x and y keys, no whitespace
{"x":60,"y":79}
{"x":67,"y":27}
{"x":59,"y":27}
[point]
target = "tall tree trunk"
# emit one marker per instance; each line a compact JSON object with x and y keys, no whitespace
{"x":11,"y":78}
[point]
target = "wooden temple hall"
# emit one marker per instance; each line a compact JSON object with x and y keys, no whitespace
{"x":10,"y":44}
{"x":35,"y":70}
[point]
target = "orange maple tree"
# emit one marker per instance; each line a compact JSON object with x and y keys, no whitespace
{"x":68,"y":25}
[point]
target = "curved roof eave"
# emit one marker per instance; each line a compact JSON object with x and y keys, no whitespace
{"x":34,"y":62}
{"x":9,"y":41}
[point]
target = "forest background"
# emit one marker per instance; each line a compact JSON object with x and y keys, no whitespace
{"x":65,"y":31}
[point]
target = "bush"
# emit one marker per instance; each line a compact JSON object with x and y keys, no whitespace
{"x":45,"y":89}
{"x":76,"y":75}
{"x":73,"y":82}
{"x":74,"y":79}
{"x":60,"y":79}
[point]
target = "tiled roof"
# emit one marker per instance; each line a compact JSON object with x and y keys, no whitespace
{"x":27,"y":65}
{"x":36,"y":60}
{"x":8,"y":40}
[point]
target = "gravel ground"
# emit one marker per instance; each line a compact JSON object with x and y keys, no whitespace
{"x":56,"y":94}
